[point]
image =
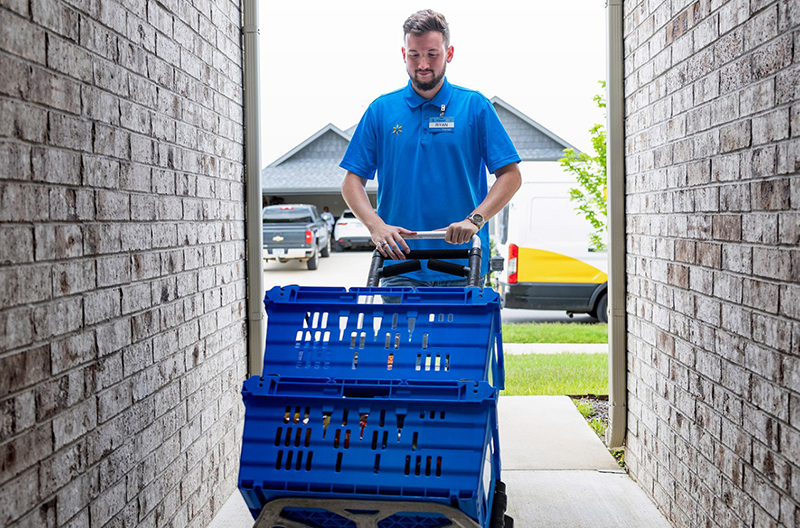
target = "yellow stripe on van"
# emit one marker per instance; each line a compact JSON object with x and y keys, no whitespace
{"x":536,"y":265}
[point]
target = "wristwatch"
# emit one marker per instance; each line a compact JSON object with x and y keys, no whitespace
{"x":477,"y":219}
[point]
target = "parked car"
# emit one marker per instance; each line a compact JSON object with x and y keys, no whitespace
{"x":295,"y":232}
{"x":350,"y":233}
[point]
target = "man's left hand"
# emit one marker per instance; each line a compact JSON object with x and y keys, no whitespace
{"x":460,"y":232}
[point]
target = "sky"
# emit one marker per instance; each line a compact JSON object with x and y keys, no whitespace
{"x":324,"y":62}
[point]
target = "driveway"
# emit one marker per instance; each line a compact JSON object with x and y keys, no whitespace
{"x":350,"y":268}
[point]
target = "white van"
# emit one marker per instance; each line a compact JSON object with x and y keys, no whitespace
{"x":549,"y":264}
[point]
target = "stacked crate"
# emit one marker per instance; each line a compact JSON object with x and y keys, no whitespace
{"x":376,"y":402}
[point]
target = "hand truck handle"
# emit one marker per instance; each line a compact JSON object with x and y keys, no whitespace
{"x":439,"y":235}
{"x":472,"y":271}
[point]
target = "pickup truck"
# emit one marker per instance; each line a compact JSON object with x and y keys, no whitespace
{"x":295,"y":232}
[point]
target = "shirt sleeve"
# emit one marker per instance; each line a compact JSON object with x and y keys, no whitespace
{"x":361,"y":155}
{"x":496,"y":146}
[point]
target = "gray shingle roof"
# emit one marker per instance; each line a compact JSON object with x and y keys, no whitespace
{"x":533,"y":141}
{"x":306,"y":176}
{"x":312,"y":167}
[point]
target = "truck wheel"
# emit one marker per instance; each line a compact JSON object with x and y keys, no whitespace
{"x":313,"y":262}
{"x":601,"y":310}
{"x":326,"y":251}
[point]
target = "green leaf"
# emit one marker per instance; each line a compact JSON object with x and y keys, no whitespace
{"x":590,"y":174}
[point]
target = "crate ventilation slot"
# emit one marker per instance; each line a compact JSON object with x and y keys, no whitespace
{"x":288,"y":417}
{"x":441,"y":318}
{"x":423,"y":466}
{"x":292,"y":463}
{"x":315,"y":320}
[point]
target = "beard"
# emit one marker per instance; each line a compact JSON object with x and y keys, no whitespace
{"x":430,"y":85}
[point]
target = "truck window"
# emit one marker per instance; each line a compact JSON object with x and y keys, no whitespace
{"x":287,"y":217}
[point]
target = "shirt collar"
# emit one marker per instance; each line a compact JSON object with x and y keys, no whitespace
{"x":415,"y":100}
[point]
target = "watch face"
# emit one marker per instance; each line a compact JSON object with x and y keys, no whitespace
{"x":477,"y":219}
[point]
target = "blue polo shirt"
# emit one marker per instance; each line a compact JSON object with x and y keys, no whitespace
{"x":430,"y":174}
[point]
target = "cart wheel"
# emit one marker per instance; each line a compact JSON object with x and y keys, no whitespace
{"x":499,"y":504}
{"x":498,"y":522}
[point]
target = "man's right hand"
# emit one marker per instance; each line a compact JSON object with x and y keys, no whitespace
{"x":389,"y":240}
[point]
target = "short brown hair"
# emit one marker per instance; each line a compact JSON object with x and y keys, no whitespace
{"x":427,"y":20}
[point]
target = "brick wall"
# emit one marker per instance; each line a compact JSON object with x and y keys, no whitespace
{"x":713,"y":228}
{"x":122,"y":311}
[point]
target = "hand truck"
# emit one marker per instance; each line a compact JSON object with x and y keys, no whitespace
{"x":378,"y":414}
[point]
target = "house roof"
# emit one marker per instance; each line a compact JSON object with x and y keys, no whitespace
{"x":533,"y":141}
{"x":328,"y":130}
{"x":312,"y":167}
{"x":306,"y":177}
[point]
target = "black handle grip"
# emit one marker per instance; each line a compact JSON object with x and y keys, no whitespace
{"x":447,"y":267}
{"x":374,"y":276}
{"x":398,"y":269}
{"x":473,"y":272}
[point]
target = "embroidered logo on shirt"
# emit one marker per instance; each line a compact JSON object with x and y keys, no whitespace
{"x":397,"y":129}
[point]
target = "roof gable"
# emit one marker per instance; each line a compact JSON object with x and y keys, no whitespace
{"x":532,"y":141}
{"x":311,"y":167}
{"x":326,"y":144}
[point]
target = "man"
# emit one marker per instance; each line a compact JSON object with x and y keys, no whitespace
{"x":328,"y":217}
{"x":430,"y":144}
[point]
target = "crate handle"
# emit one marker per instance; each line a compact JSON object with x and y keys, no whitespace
{"x":499,"y":362}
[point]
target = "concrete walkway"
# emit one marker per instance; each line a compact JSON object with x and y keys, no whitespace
{"x":557,"y":472}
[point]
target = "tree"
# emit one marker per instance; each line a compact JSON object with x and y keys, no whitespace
{"x":590,"y":172}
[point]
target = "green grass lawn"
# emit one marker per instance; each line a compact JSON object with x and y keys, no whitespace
{"x":555,"y":333}
{"x":556,"y":374}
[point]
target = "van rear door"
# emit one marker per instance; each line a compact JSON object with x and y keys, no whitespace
{"x":556,"y":269}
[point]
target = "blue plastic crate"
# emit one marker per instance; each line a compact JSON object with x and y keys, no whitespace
{"x":435,"y":334}
{"x":370,"y":439}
